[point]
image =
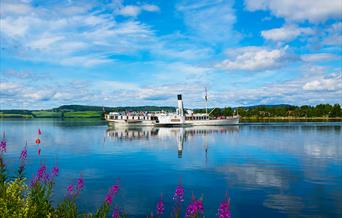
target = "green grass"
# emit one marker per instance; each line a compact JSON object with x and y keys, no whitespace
{"x":24,"y":116}
{"x":46,"y":114}
{"x":83,"y":114}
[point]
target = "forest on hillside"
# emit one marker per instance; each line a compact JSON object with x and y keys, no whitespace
{"x":321,"y":110}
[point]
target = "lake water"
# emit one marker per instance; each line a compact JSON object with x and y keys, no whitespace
{"x":268,"y":170}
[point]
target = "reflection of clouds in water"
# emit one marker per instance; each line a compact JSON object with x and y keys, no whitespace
{"x":254,"y":176}
{"x":321,"y":150}
{"x":285,"y":203}
{"x":294,"y":139}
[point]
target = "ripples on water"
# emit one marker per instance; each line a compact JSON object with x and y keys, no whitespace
{"x":272,"y":170}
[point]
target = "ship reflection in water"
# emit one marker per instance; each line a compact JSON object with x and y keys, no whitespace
{"x":180,"y":134}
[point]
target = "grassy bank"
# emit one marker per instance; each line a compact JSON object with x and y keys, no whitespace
{"x":290,"y":119}
{"x":52,"y":114}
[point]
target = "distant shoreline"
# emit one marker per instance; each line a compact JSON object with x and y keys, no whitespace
{"x":291,"y":119}
{"x":242,"y":119}
{"x":258,"y":113}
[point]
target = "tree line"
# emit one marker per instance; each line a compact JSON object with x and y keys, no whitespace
{"x":321,"y":110}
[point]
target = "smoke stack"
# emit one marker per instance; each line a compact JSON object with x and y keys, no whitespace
{"x":180,"y":105}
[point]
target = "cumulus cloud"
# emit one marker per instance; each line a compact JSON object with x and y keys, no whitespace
{"x":38,"y":33}
{"x":331,"y":83}
{"x":285,"y":33}
{"x":135,"y":10}
{"x":130,"y":10}
{"x":304,"y":10}
{"x":254,"y":58}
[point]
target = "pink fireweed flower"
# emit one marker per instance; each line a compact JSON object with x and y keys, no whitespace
{"x":54,"y":172}
{"x":41,"y":172}
{"x":195,"y":207}
{"x":109,"y":198}
{"x":80,"y":184}
{"x":199,"y":205}
{"x":191,"y":210}
{"x":23,"y":154}
{"x":224,"y":211}
{"x":179,"y":194}
{"x":70,"y":189}
{"x":116,"y":213}
{"x":160,"y":206}
{"x":39,"y":132}
{"x":111,"y":193}
{"x":114,"y":189}
{"x":3,"y":143}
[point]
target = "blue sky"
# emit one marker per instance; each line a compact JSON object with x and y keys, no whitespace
{"x":118,"y":53}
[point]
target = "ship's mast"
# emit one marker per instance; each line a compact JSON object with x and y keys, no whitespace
{"x":206,"y":101}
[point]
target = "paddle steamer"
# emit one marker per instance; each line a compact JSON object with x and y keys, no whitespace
{"x":179,"y":118}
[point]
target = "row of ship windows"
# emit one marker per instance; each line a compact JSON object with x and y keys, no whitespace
{"x":133,"y":118}
{"x":196,"y":118}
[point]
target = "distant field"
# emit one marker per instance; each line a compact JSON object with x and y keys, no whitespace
{"x":52,"y":114}
{"x":83,"y":114}
{"x":24,"y":116}
{"x":46,"y":114}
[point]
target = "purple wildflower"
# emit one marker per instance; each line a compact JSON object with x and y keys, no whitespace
{"x":46,"y":177}
{"x":191,"y":210}
{"x":23,"y":154}
{"x":80,"y":184}
{"x":109,"y":198}
{"x":179,"y":194}
{"x":160,"y":206}
{"x":112,"y":192}
{"x":195,"y":207}
{"x":34,"y":181}
{"x":70,"y":188}
{"x":3,"y":143}
{"x":223,"y":211}
{"x":116,"y":213}
{"x":114,"y":189}
{"x":54,"y":171}
{"x":199,"y":205}
{"x":41,"y":172}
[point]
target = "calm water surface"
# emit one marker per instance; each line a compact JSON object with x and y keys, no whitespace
{"x":268,"y":170}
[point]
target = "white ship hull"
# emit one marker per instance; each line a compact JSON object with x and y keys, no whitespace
{"x":131,"y":122}
{"x":216,"y":122}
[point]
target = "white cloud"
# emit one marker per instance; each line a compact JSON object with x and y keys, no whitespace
{"x":334,"y":35}
{"x":44,"y":42}
{"x":304,"y":10}
{"x":130,"y":10}
{"x":135,"y":10}
{"x":14,"y":27}
{"x":319,"y":57}
{"x":16,"y":8}
{"x":86,"y":61}
{"x":285,"y":33}
{"x":43,"y":35}
{"x":254,"y":58}
{"x":150,"y":8}
{"x":210,"y":20}
{"x":334,"y":82}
